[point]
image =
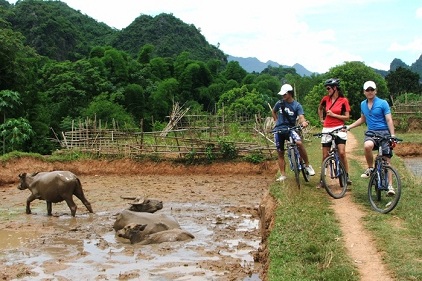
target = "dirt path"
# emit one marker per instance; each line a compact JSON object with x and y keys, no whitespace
{"x":359,"y":242}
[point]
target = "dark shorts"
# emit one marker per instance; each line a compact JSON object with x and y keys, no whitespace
{"x":386,"y":149}
{"x":280,"y":139}
{"x":337,"y":141}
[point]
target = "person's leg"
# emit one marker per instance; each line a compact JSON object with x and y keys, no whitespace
{"x":304,"y":156}
{"x":325,"y":151}
{"x":279,"y":140}
{"x":302,"y":152}
{"x":281,"y":163}
{"x":369,"y":156}
{"x":342,"y":154}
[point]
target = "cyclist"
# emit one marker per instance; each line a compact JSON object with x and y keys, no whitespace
{"x":285,"y":113}
{"x":333,"y":111}
{"x":377,"y":115}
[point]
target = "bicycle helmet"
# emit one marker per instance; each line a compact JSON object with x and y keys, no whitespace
{"x":332,"y":82}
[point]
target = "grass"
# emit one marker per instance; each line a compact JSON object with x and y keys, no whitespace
{"x":306,"y":242}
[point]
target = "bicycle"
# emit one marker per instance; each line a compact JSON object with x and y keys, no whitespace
{"x":333,"y":172}
{"x":296,"y":162}
{"x":382,"y":177}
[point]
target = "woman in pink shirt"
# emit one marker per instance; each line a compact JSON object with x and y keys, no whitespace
{"x":333,"y":111}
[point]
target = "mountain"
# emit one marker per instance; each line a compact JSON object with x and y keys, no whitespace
{"x":254,"y":65}
{"x":57,"y":31}
{"x":169,"y":35}
{"x":61,"y":33}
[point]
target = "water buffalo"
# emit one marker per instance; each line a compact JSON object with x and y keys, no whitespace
{"x":154,"y":222}
{"x":53,"y":187}
{"x":146,"y":205}
{"x":138,"y":233}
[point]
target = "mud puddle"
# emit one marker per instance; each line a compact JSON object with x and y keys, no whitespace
{"x":86,"y":247}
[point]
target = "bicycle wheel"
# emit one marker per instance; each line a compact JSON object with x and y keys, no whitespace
{"x":304,"y":172}
{"x":333,"y":177}
{"x":295,"y":165}
{"x":378,"y":194}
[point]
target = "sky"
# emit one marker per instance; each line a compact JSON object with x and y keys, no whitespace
{"x":318,"y":34}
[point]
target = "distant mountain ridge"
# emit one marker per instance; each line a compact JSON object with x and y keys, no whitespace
{"x":255,"y":65}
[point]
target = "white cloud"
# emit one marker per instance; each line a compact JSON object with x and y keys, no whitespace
{"x":413,"y":46}
{"x":419,"y":13}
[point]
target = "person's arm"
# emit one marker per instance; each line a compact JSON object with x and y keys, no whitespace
{"x":357,"y":123}
{"x":344,"y":117}
{"x":274,"y":115}
{"x":321,"y":113}
{"x":390,"y":124}
{"x":302,"y":120}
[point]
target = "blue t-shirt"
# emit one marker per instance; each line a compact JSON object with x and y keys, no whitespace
{"x":375,"y":117}
{"x":292,"y":111}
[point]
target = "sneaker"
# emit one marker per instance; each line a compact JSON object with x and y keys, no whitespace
{"x":391,"y":191}
{"x":310,"y":170}
{"x":319,"y":185}
{"x":349,"y":181}
{"x":281,"y":178}
{"x":367,"y":173}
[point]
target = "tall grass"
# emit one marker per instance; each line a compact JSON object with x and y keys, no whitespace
{"x":306,"y":242}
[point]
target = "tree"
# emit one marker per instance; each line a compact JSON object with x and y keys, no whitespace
{"x":241,"y":101}
{"x":163,"y":97}
{"x":15,"y":132}
{"x":234,"y":72}
{"x":403,"y":80}
{"x":8,"y":101}
{"x":109,"y":112}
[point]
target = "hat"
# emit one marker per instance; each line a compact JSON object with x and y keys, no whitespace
{"x":285,"y":88}
{"x":369,"y":84}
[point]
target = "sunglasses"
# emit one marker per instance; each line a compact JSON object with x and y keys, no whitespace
{"x":370,"y":90}
{"x":328,"y":88}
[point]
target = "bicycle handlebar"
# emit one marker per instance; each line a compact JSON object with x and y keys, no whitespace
{"x":299,"y":128}
{"x":333,"y":133}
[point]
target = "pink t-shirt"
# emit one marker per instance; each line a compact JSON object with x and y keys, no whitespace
{"x":341,"y":105}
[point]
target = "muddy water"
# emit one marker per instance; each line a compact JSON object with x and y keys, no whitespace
{"x":415,"y":165}
{"x":226,"y":236}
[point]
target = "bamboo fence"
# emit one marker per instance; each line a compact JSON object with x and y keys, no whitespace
{"x":190,"y":134}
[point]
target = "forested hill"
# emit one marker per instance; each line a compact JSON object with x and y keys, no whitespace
{"x":169,"y":35}
{"x":61,"y":33}
{"x":57,"y":31}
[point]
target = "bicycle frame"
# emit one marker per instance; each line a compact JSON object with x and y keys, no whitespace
{"x":291,"y":145}
{"x":380,"y":162}
{"x":334,"y":152}
{"x":333,"y":172}
{"x":383,"y":176}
